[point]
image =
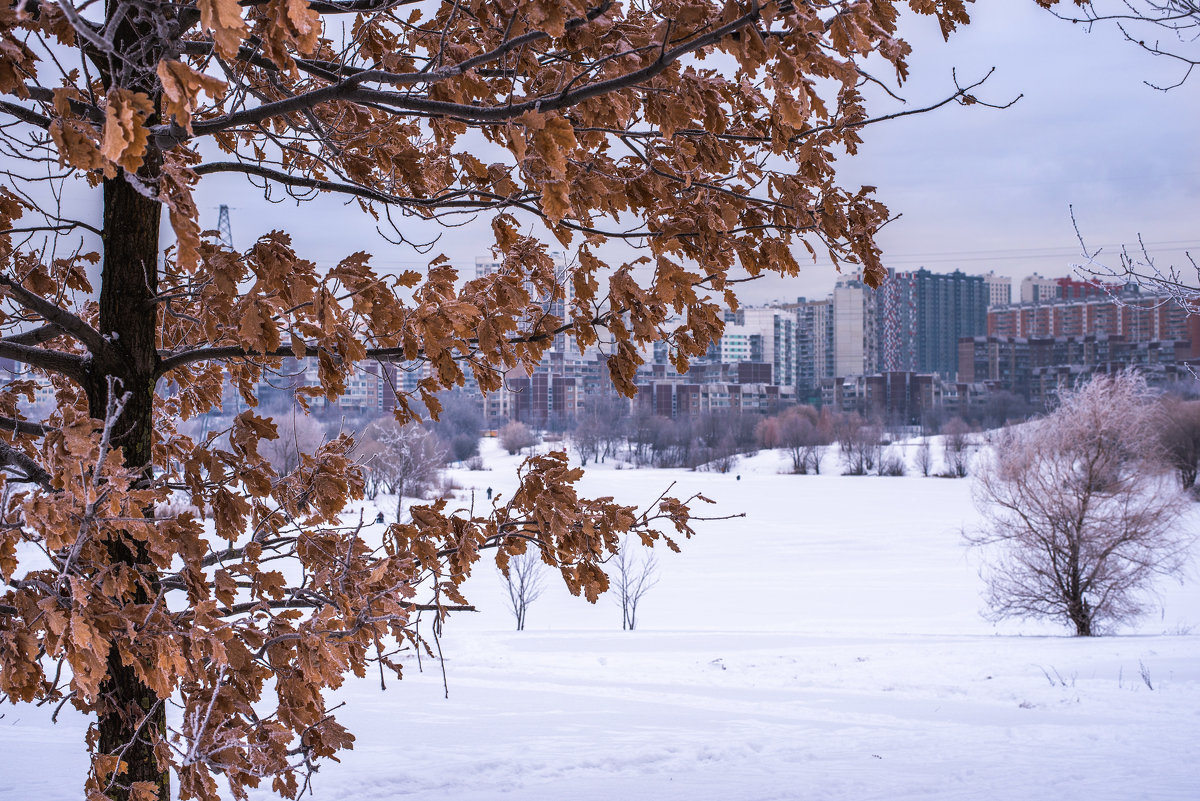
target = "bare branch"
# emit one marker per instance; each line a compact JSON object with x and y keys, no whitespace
{"x":68,"y":364}
{"x":23,"y":427}
{"x":57,"y":315}
{"x":32,"y":471}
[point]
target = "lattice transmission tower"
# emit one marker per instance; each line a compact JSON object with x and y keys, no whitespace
{"x":223,"y":229}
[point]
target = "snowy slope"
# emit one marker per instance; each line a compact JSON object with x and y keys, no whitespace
{"x":826,"y":646}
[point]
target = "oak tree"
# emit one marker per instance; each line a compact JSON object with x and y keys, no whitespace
{"x":701,"y":133}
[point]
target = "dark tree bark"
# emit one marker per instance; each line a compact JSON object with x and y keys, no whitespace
{"x":134,"y":718}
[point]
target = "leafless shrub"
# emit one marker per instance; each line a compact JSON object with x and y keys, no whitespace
{"x":516,"y":437}
{"x":525,"y":581}
{"x":635,"y":575}
{"x":1079,"y":511}
{"x":924,"y":457}
{"x":891,"y":464}
{"x":956,"y":444}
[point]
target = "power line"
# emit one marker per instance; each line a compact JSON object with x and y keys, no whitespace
{"x":1020,"y":254}
{"x":1039,"y":250}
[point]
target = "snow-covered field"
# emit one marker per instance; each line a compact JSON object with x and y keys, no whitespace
{"x":827,"y":646}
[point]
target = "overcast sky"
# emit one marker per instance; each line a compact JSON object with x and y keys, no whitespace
{"x":978,"y":189}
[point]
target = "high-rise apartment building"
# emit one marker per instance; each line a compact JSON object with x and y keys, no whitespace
{"x":1138,"y":318}
{"x":776,"y":329}
{"x":898,"y":329}
{"x":739,"y":343}
{"x":923,"y":315}
{"x":855,"y":340}
{"x":999,"y":289}
{"x":814,"y":345}
{"x":1037,"y":289}
{"x":834,"y":337}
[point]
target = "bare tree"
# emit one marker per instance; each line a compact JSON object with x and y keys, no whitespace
{"x":1179,"y":436}
{"x":610,"y":414}
{"x":587,"y":440}
{"x":956,"y":447}
{"x":721,"y":457}
{"x":1079,"y":512}
{"x":801,"y":432}
{"x":516,"y":437}
{"x":298,"y":434}
{"x":404,"y":459}
{"x":924,"y":457}
{"x":634,"y":577}
{"x":525,"y":581}
{"x":860,"y":443}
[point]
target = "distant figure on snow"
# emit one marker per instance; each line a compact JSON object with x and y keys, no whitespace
{"x":379,"y":517}
{"x":489,"y":493}
{"x":739,"y":476}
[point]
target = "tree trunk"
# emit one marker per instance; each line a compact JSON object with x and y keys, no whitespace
{"x":1080,"y":614}
{"x":132,"y":718}
{"x":1188,"y":477}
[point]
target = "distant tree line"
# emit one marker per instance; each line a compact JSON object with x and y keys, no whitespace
{"x":608,"y":428}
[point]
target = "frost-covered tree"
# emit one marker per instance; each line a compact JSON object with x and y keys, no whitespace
{"x":516,"y":437}
{"x":1081,"y":513}
{"x":404,"y":460}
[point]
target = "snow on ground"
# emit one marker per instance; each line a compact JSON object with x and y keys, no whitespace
{"x":827,"y":646}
